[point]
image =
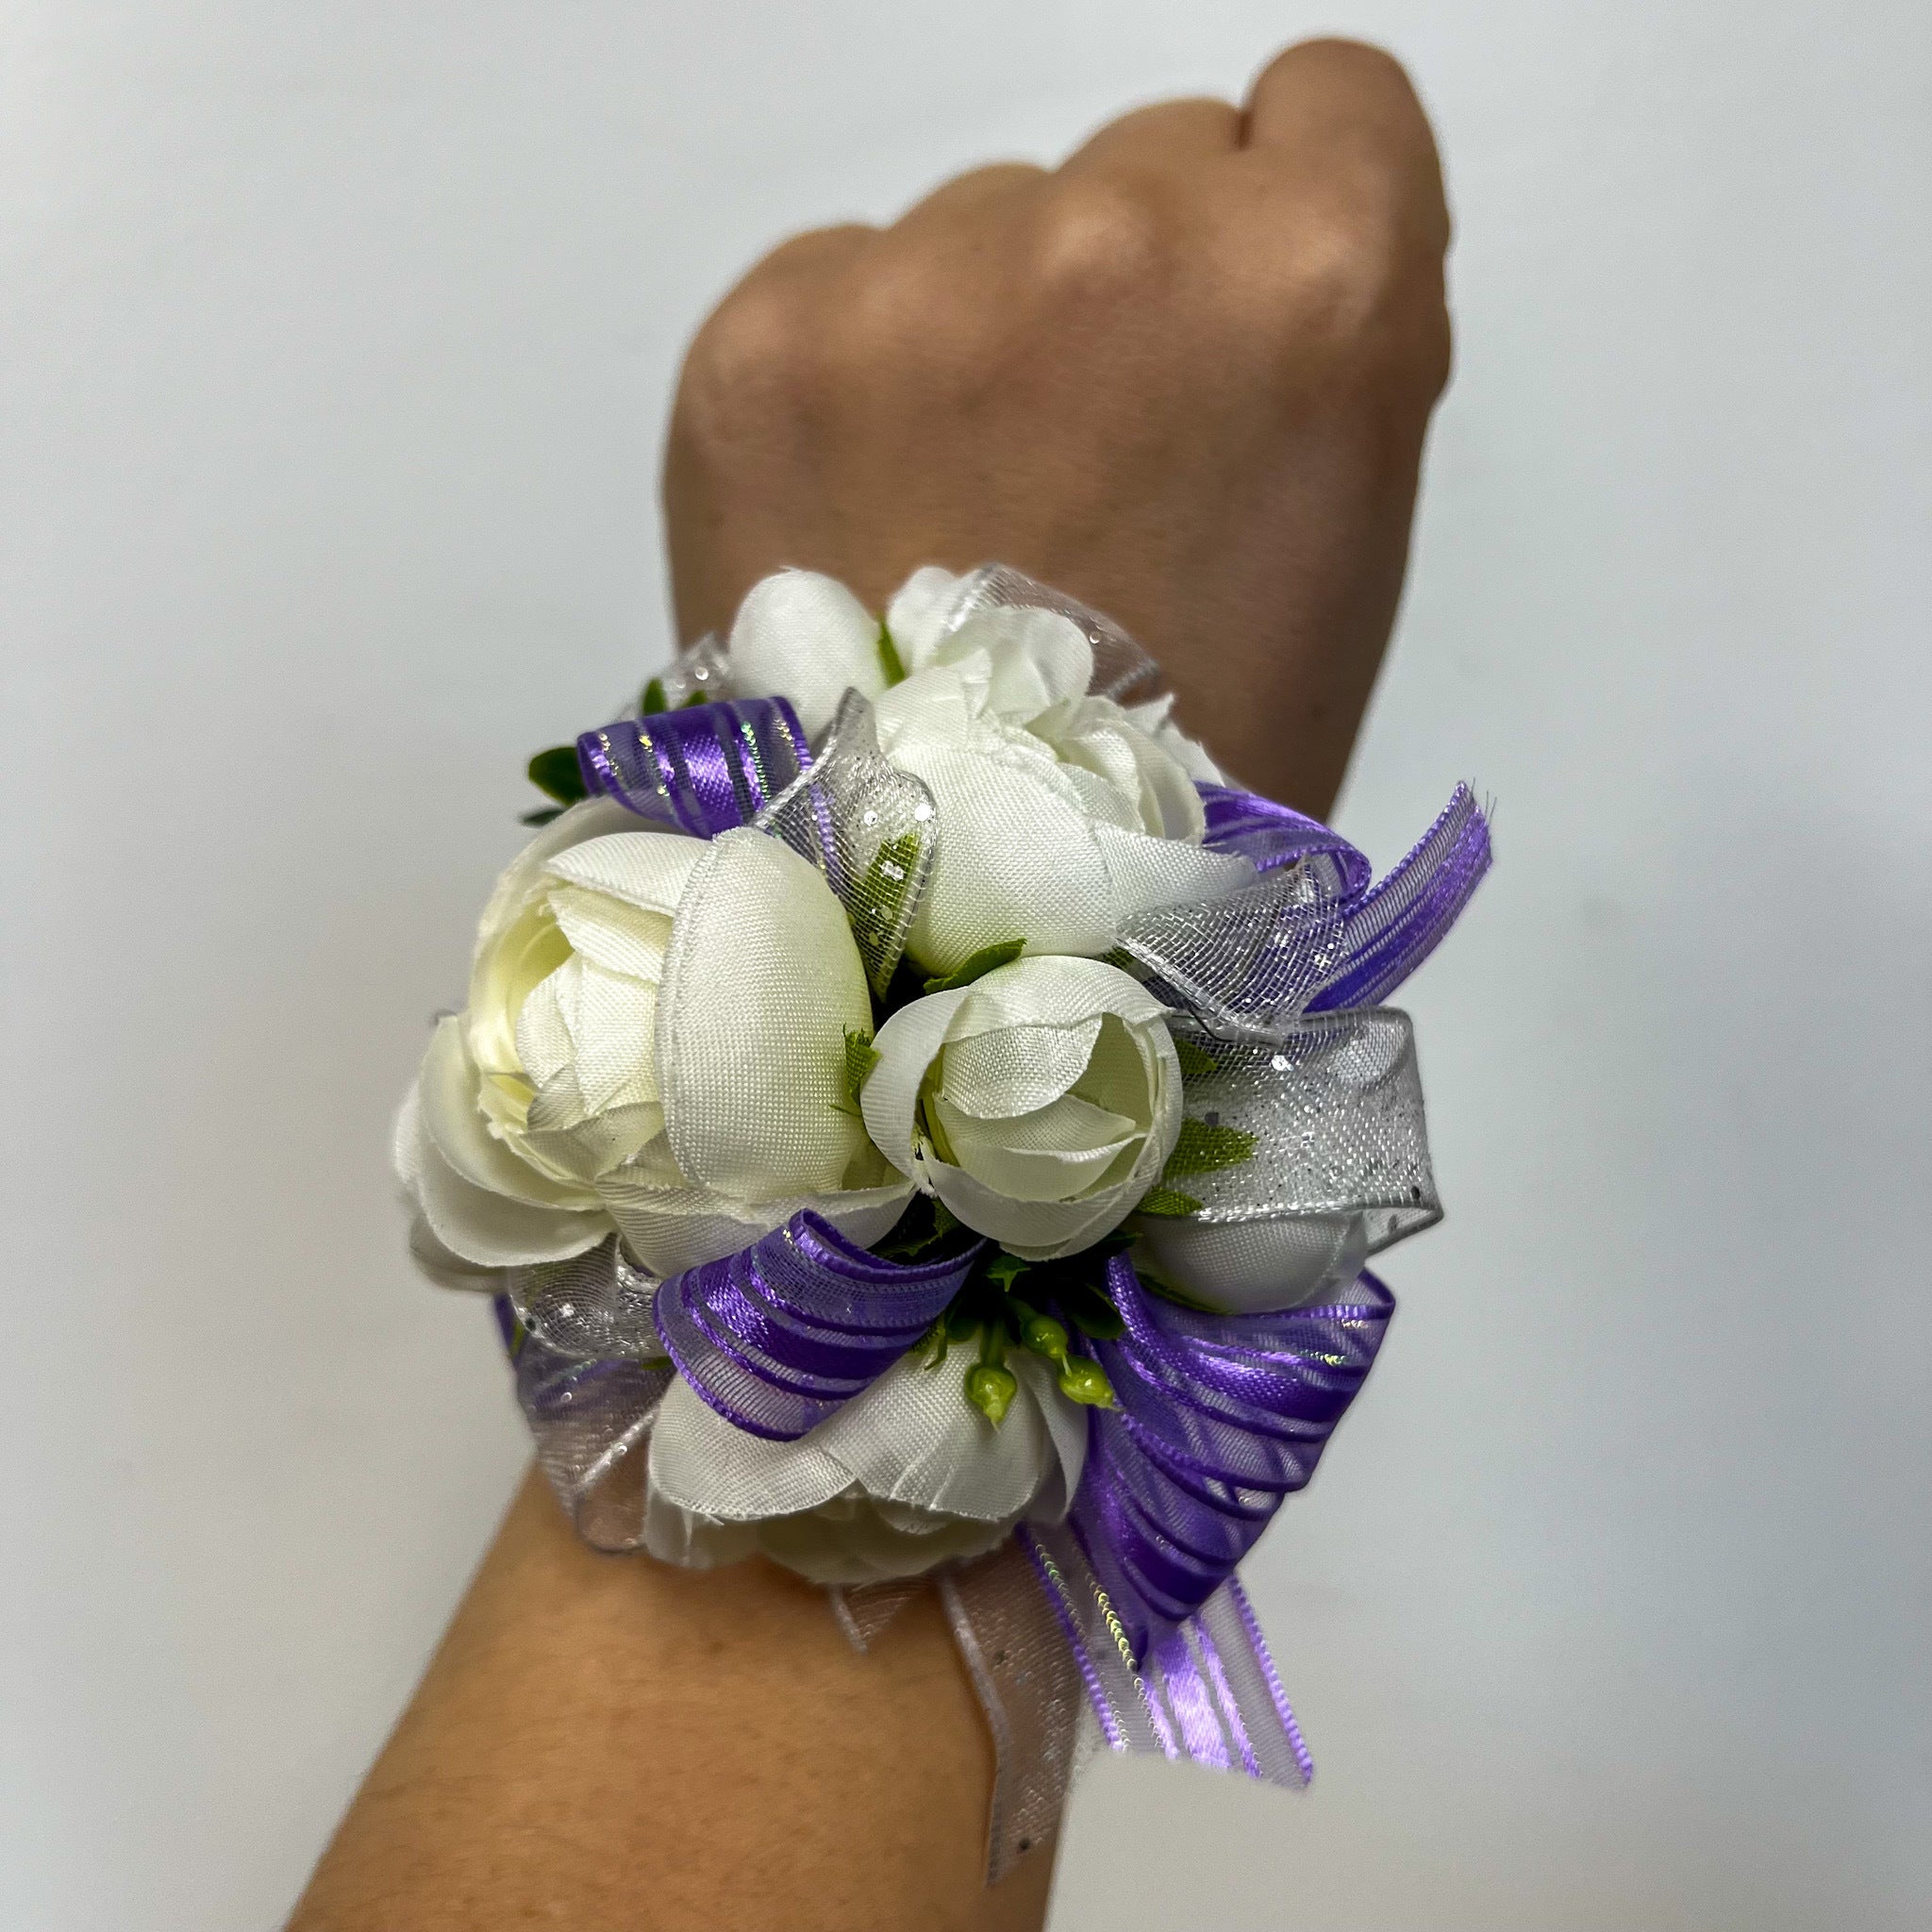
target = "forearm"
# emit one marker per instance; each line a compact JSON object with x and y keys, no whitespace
{"x":590,"y":1722}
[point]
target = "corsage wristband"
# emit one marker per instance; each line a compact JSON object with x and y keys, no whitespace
{"x":920,"y":1123}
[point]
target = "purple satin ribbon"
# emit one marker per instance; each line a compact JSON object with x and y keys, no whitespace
{"x":706,"y":770}
{"x":1315,"y":935}
{"x":782,"y":1333}
{"x":1397,"y":923}
{"x":1219,"y":1418}
{"x":1273,"y":836}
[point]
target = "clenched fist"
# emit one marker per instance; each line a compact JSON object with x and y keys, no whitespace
{"x":1185,"y":377}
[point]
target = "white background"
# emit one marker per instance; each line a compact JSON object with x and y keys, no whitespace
{"x":336,"y":346}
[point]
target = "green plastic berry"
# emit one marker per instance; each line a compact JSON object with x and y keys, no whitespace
{"x":1044,"y":1336}
{"x":992,"y":1390}
{"x":1082,"y":1380}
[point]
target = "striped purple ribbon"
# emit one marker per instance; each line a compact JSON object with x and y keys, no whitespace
{"x":1219,"y":1418}
{"x":782,"y":1333}
{"x":1314,"y":934}
{"x":706,"y":770}
{"x":1273,"y":836}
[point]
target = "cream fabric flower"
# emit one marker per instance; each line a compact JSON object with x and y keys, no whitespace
{"x":655,"y":1041}
{"x":1039,"y":1103}
{"x":906,"y":1475}
{"x":1155,"y":718}
{"x":1246,"y":1267}
{"x":1059,"y":814}
{"x":805,"y":638}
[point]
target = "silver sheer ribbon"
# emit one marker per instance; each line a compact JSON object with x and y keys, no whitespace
{"x":869,"y":827}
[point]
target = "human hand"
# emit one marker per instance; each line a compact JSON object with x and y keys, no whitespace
{"x":1185,"y":378}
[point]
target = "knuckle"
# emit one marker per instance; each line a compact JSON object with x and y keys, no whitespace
{"x":1362,"y":293}
{"x":902,"y":305}
{"x":1102,"y":232}
{"x":750,"y":360}
{"x":1342,"y":271}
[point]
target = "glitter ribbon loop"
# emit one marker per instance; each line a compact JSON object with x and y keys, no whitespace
{"x":1273,"y":836}
{"x":705,"y":769}
{"x":777,"y":1336}
{"x":1313,"y":935}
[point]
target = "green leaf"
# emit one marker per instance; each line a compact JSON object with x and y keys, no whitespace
{"x":926,"y":1222}
{"x":557,"y":771}
{"x":1089,"y":1309}
{"x":1206,"y":1145}
{"x":888,"y":657}
{"x":1004,"y":1270}
{"x":1196,"y":1063}
{"x":1169,"y":1200}
{"x":542,"y":815}
{"x":861,"y":1057}
{"x":655,"y":700}
{"x":987,"y":959}
{"x":961,"y":1318}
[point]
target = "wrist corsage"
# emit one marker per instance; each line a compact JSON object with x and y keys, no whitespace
{"x":922,"y":1123}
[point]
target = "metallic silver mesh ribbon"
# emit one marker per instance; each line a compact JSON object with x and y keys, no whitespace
{"x":1121,"y":670}
{"x":1340,"y":1168}
{"x":1304,"y":937}
{"x":589,"y":1375}
{"x":869,"y":827}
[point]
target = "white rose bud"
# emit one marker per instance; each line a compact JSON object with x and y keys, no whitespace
{"x":655,"y":1041}
{"x":805,"y":637}
{"x":1058,"y":816}
{"x":1039,"y":1103}
{"x":1155,"y":718}
{"x":906,"y":1475}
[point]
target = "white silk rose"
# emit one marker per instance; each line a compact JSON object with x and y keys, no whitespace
{"x":904,"y":1477}
{"x":655,"y":1043}
{"x":805,"y":638}
{"x":1039,"y":1103}
{"x":1059,"y":814}
{"x":1155,"y":718}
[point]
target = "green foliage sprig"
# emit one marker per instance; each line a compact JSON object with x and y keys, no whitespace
{"x":557,"y":774}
